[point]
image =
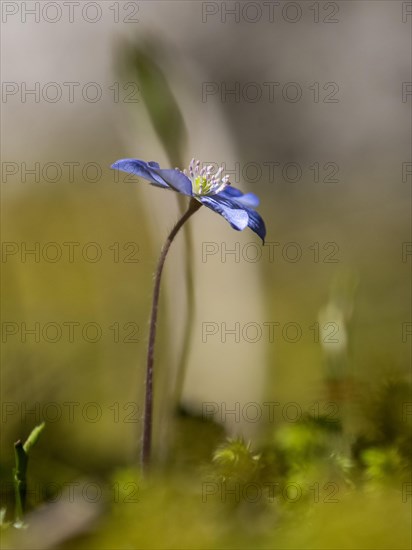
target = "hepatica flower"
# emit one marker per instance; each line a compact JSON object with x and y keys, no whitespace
{"x":211,"y":190}
{"x":204,"y":188}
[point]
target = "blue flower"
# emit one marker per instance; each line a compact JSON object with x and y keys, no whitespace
{"x":212,"y":190}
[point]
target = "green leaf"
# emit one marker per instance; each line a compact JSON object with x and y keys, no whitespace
{"x":160,"y":102}
{"x":33,"y":437}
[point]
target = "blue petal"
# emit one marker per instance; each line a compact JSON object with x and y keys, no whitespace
{"x":231,"y":191}
{"x":237,"y":217}
{"x":175,"y":179}
{"x":250,"y":200}
{"x":141,"y":169}
{"x":256,"y":224}
{"x":228,"y":207}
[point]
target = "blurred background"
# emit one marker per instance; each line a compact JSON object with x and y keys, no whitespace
{"x":306,"y":104}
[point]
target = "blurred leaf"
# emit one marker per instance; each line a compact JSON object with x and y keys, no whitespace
{"x":161,"y":104}
{"x":33,"y":437}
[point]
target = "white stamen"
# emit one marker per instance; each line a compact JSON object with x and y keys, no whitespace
{"x":204,"y":181}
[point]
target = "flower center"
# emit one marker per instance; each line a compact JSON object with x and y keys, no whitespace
{"x":204,"y":181}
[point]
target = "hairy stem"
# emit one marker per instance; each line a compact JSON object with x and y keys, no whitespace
{"x":148,"y":410}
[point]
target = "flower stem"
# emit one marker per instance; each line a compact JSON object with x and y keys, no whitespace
{"x":148,"y":410}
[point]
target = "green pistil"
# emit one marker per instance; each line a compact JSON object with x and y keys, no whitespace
{"x":201,"y":186}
